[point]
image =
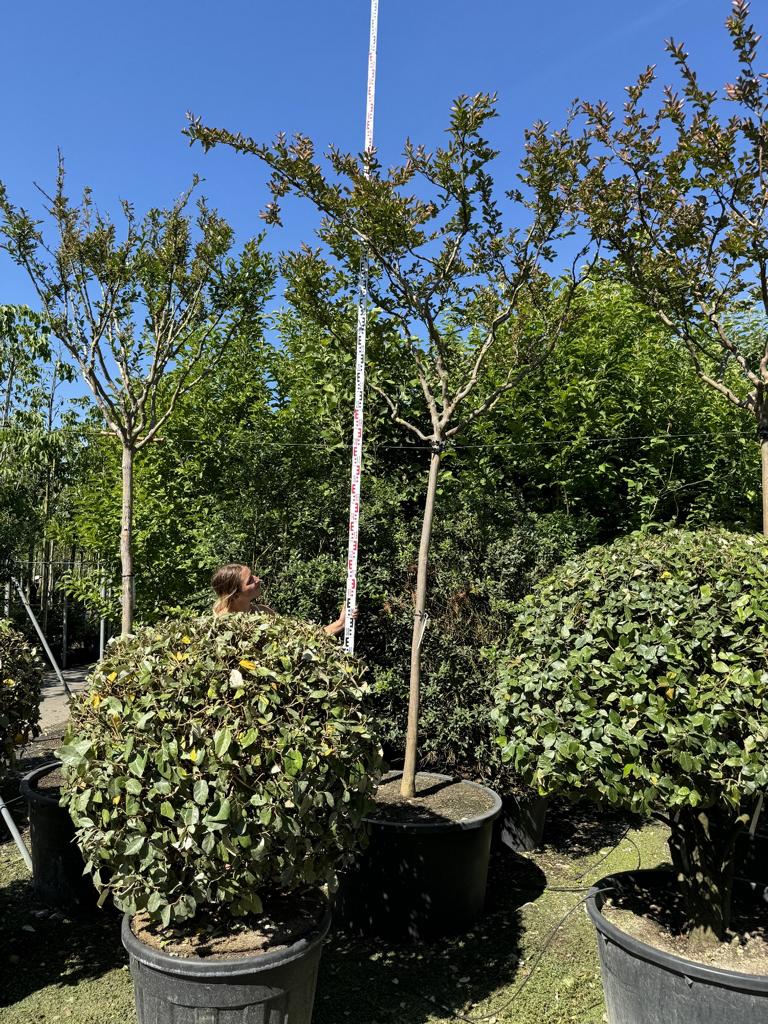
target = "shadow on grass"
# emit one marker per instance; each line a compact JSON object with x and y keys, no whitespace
{"x":41,"y":947}
{"x":582,"y":829}
{"x":369,"y":981}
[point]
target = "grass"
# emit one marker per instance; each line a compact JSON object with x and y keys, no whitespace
{"x":57,"y":969}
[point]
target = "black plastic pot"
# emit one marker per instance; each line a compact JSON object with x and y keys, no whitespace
{"x":419,"y":880}
{"x":520,"y":826}
{"x":57,"y":864}
{"x":644,"y":985}
{"x":752,"y":855}
{"x":278,"y":987}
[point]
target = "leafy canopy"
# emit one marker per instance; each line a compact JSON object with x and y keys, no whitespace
{"x":676,"y":188}
{"x":215,"y":761}
{"x":21,"y":679}
{"x":638,"y":674}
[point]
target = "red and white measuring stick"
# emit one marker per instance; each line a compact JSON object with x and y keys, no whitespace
{"x":362,"y":322}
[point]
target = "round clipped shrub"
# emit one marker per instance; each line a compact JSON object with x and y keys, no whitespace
{"x":637,"y":674}
{"x":21,"y":679}
{"x":214,"y":762}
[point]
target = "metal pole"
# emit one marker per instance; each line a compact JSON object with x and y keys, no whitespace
{"x":43,"y":641}
{"x":362,"y":322}
{"x":16,"y":836}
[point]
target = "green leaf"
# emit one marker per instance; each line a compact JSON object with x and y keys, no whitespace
{"x":221,"y":742}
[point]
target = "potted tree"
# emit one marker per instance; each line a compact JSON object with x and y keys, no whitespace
{"x":636,"y":675}
{"x":217,"y":772}
{"x":468,"y":307}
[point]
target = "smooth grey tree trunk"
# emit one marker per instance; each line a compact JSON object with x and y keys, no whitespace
{"x":408,"y":786}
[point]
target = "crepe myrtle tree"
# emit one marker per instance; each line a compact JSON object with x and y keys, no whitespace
{"x":142,"y":313}
{"x":452,"y":284}
{"x":677,"y":190}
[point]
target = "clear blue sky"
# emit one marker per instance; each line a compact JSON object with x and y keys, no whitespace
{"x":110,"y":83}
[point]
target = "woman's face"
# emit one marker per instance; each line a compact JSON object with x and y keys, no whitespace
{"x":250,"y":585}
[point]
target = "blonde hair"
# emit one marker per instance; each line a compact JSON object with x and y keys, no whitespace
{"x":227,"y":582}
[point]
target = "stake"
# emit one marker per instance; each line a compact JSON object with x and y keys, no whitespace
{"x":15,"y":834}
{"x":362,"y":321}
{"x":41,"y":634}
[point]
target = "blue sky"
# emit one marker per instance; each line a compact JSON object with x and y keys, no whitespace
{"x":110,"y":83}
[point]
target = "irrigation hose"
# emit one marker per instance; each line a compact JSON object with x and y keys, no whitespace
{"x":537,"y":959}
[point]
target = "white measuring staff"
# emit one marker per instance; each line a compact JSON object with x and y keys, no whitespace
{"x":362,"y":322}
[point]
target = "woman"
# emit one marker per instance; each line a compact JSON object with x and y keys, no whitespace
{"x":238,"y":590}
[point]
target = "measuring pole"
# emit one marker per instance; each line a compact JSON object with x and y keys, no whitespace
{"x":362,"y":322}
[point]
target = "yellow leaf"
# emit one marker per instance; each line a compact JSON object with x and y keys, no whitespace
{"x":248,"y":664}
{"x":670,"y":693}
{"x":9,"y":682}
{"x":115,"y":800}
{"x":179,"y":656}
{"x":112,"y":677}
{"x":186,"y":640}
{"x":193,"y":755}
{"x":95,"y":700}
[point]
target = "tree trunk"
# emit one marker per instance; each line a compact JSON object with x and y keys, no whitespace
{"x":702,"y":845}
{"x":126,"y":541}
{"x":408,"y":786}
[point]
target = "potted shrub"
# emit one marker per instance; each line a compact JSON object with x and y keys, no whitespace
{"x":57,"y":866}
{"x":217,"y":772}
{"x":21,"y":680}
{"x":637,"y":675}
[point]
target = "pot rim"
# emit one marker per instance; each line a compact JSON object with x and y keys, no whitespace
{"x":422,"y":827}
{"x":724,"y":977}
{"x":28,"y":785}
{"x":196,"y":967}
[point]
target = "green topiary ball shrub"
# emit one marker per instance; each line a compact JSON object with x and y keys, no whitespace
{"x":21,"y":680}
{"x":637,"y":674}
{"x":217,"y":761}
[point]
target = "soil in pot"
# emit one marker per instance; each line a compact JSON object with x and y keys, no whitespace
{"x":656,"y":917}
{"x":285,"y":920}
{"x":50,"y":784}
{"x":437,"y":799}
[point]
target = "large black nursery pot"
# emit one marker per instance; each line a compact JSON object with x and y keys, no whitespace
{"x":520,"y":826}
{"x":752,"y":854}
{"x":57,"y":864}
{"x":269,"y":988}
{"x":422,"y":879}
{"x":644,"y":985}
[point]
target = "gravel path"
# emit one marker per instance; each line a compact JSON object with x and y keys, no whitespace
{"x":54,"y":709}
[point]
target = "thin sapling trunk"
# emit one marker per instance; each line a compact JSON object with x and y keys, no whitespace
{"x":408,"y":785}
{"x":126,"y":540}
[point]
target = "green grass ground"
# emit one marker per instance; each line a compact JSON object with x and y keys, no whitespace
{"x":54,"y":968}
